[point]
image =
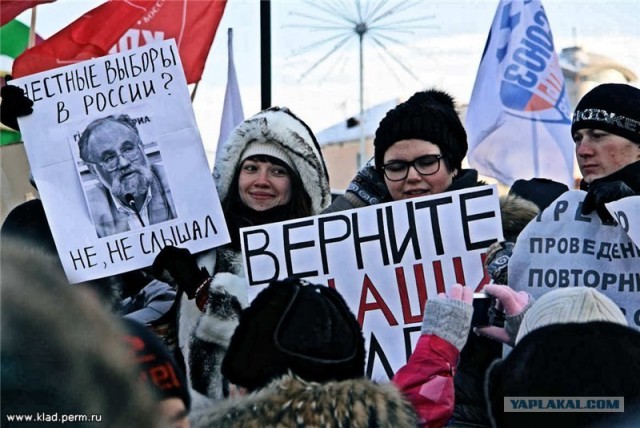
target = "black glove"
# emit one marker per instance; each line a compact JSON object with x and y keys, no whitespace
{"x":602,"y":192}
{"x":14,"y":104}
{"x":182,"y":267}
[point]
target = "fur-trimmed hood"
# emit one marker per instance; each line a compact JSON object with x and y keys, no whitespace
{"x":290,"y":402}
{"x":516,"y":213}
{"x":277,"y":125}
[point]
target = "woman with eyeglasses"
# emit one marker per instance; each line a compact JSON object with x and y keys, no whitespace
{"x":419,"y":148}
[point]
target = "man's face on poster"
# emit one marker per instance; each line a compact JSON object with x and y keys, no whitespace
{"x":116,"y":153}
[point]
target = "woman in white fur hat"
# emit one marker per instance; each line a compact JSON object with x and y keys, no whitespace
{"x":270,"y":169}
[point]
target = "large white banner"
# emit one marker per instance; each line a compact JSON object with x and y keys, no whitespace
{"x":116,"y":154}
{"x":626,"y":211}
{"x":519,"y":119}
{"x":564,"y":248}
{"x":386,"y":261}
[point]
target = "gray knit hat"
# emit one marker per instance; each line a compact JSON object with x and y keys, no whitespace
{"x":570,"y":305}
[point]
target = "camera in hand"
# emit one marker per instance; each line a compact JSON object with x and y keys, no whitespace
{"x":485,"y":312}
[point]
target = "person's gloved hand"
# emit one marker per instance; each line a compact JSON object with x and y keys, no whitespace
{"x":369,"y":186}
{"x":449,"y":316}
{"x":14,"y":104}
{"x":183,"y":268}
{"x":601,"y":192}
{"x":515,"y":305}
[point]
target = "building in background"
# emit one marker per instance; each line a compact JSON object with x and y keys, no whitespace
{"x":584,"y":70}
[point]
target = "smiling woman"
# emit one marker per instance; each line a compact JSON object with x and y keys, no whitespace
{"x":270,"y":169}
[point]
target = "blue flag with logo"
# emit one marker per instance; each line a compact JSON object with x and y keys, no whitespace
{"x":519,"y":120}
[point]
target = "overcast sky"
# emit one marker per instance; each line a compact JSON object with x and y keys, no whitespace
{"x":443,"y":50}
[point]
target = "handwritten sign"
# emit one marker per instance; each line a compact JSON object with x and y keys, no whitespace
{"x":116,"y":154}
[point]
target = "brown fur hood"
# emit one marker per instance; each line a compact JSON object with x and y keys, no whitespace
{"x":516,"y":213}
{"x":292,"y":402}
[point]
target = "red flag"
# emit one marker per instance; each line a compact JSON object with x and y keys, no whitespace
{"x":9,"y":9}
{"x":120,"y":25}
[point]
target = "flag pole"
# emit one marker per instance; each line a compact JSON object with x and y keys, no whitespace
{"x":32,"y":29}
{"x":193,"y":93}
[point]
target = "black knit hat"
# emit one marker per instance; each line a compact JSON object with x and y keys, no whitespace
{"x":429,"y":115}
{"x":159,"y":370}
{"x":598,"y":359}
{"x":293,"y":325}
{"x":611,"y":107}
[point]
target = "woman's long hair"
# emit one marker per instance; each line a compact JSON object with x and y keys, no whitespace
{"x":238,"y":215}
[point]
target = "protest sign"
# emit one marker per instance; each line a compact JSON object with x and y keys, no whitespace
{"x":626,"y":211}
{"x":386,"y":261}
{"x":564,"y":248}
{"x":116,"y":189}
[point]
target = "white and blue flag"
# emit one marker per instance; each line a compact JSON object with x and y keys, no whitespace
{"x":232,"y":112}
{"x":519,"y":120}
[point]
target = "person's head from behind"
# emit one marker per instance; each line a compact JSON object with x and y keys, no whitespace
{"x":419,"y":145}
{"x":161,"y":373}
{"x":113,"y":151}
{"x":293,"y":326}
{"x":62,"y":353}
{"x":606,"y":130}
{"x":573,"y":342}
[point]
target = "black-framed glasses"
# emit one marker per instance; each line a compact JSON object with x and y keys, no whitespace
{"x":111,"y":161}
{"x":398,"y":170}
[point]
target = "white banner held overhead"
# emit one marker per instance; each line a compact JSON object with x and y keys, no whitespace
{"x":141,"y":182}
{"x":519,"y":120}
{"x":386,"y":260}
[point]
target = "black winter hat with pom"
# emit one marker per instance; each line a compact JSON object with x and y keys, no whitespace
{"x":295,"y":326}
{"x":428,"y":115}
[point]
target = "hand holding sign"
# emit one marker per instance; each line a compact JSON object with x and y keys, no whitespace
{"x":602,"y":192}
{"x":14,"y":104}
{"x":183,"y":268}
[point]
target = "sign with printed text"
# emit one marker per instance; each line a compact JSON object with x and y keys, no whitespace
{"x":116,"y":154}
{"x":626,"y":211}
{"x":564,"y":248}
{"x":385,"y":260}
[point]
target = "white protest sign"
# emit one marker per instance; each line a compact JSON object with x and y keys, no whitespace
{"x":140,"y":182}
{"x":626,"y":211}
{"x":564,"y":248}
{"x":386,"y":261}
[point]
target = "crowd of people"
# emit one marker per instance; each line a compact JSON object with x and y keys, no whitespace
{"x":179,"y":343}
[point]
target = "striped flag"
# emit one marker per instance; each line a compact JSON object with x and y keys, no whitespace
{"x":519,"y":120}
{"x":232,"y":113}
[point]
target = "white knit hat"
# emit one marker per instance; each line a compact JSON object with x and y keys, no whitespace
{"x":274,"y":150}
{"x":570,"y":305}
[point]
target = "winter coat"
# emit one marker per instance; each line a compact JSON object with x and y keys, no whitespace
{"x":292,"y":402}
{"x":427,"y":380}
{"x":204,"y":338}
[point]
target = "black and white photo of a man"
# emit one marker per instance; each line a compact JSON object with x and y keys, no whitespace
{"x":132,"y":192}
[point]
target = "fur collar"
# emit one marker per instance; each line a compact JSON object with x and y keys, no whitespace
{"x":290,"y":401}
{"x":278,"y":126}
